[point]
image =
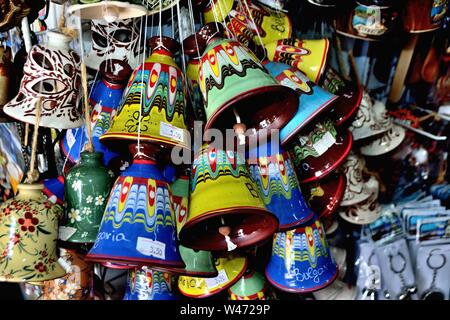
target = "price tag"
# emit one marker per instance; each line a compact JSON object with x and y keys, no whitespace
{"x":70,"y":138}
{"x":221,"y":279}
{"x":149,"y":247}
{"x":170,"y":131}
{"x":324,"y":144}
{"x":65,"y":233}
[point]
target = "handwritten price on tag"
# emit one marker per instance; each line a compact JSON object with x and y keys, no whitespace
{"x":149,"y":247}
{"x":221,"y":279}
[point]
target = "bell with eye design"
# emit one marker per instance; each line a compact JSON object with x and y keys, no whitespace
{"x":52,"y":72}
{"x":117,"y":40}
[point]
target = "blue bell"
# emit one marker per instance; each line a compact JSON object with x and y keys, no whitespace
{"x":148,"y":284}
{"x":278,"y":185}
{"x":301,"y":260}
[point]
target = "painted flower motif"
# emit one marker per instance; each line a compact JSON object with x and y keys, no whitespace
{"x":28,"y":222}
{"x":6,"y":211}
{"x":76,"y":185}
{"x":111,"y":173}
{"x":40,"y":267}
{"x":99,"y":200}
{"x":43,"y":253}
{"x":15,"y":239}
{"x":89,"y":199}
{"x":77,"y":174}
{"x":74,"y":215}
{"x":86,"y":211}
{"x":84,"y":234}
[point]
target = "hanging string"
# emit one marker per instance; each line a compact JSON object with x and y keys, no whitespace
{"x":191,"y":16}
{"x":256,"y":28}
{"x":33,"y":175}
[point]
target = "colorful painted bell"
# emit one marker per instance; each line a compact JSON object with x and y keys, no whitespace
{"x":52,"y":73}
{"x":324,"y":196}
{"x":268,"y":25}
{"x":364,"y":212}
{"x":117,"y":40}
{"x":225,"y":210}
{"x":230,"y":270}
{"x":366,"y":123}
{"x":148,"y":284}
{"x":424,"y":15}
{"x":108,"y":10}
{"x":104,"y":99}
{"x":319,"y":149}
{"x":309,"y":56}
{"x":231,"y":79}
{"x":77,"y":284}
{"x":28,"y":235}
{"x":138,"y":225}
{"x":153,"y":103}
{"x":385,"y":143}
{"x":350,"y":96}
{"x":278,"y":186}
{"x":301,"y":260}
{"x":252,"y":286}
{"x":54,"y":190}
{"x":313,"y":99}
{"x":192,"y":50}
{"x":87,"y":186}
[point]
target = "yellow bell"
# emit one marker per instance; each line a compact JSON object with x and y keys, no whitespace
{"x":28,"y":235}
{"x":225,"y":209}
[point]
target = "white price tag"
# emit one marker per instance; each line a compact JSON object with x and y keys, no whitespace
{"x":324,"y":144}
{"x":149,"y":247}
{"x":221,"y":279}
{"x":170,"y":131}
{"x":65,"y":233}
{"x":70,"y":138}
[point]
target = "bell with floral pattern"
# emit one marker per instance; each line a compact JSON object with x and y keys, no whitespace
{"x":87,"y":186}
{"x":28,"y":235}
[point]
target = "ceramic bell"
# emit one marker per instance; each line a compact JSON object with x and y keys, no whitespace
{"x":350,"y":96}
{"x":155,"y":7}
{"x":148,"y":284}
{"x":423,"y":15}
{"x":309,"y":56}
{"x":77,"y":284}
{"x":191,"y":49}
{"x":385,"y":143}
{"x":225,"y":210}
{"x":154,"y":102}
{"x":313,"y":99}
{"x":28,"y":234}
{"x":87,"y":186}
{"x":232,"y":80}
{"x":268,"y":25}
{"x":278,"y":186}
{"x":367,"y":21}
{"x":356,"y":189}
{"x":338,"y":290}
{"x":138,"y":226}
{"x":364,"y":212}
{"x":51,"y":72}
{"x":252,"y":286}
{"x":104,"y":100}
{"x":319,"y":149}
{"x":117,"y":40}
{"x":324,"y":196}
{"x":366,"y":123}
{"x":54,"y":190}
{"x":107,"y":10}
{"x":230,"y":270}
{"x":301,"y":260}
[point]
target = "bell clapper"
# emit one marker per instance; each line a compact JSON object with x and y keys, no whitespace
{"x":225,"y":231}
{"x":239,"y":128}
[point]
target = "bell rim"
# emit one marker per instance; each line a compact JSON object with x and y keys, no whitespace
{"x":136,"y":262}
{"x":348,"y":142}
{"x":289,"y":109}
{"x":297,"y":223}
{"x":211,"y":293}
{"x":311,"y":289}
{"x":110,"y":137}
{"x":343,"y":119}
{"x":77,"y":9}
{"x":185,"y":272}
{"x":199,"y":220}
{"x":364,"y":149}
